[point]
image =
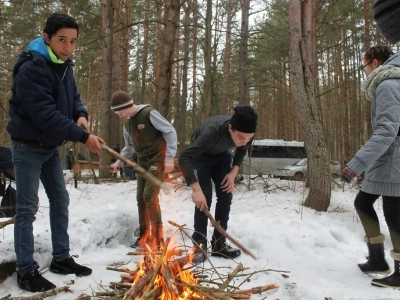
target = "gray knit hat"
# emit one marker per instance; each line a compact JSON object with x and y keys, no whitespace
{"x":120,"y":100}
{"x":387,"y":18}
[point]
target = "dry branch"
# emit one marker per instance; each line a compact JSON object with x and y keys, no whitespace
{"x":146,"y":174}
{"x":138,"y":287}
{"x":8,"y":222}
{"x":238,"y":268}
{"x":41,"y":295}
{"x":259,"y":289}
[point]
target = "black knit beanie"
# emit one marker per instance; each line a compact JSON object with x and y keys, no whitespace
{"x":120,"y":100}
{"x":244,"y":119}
{"x":387,"y":18}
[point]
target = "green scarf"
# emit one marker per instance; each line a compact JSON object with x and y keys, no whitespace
{"x":54,"y":57}
{"x":378,"y":75}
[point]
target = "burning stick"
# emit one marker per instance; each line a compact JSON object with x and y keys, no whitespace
{"x":146,"y":174}
{"x":225,"y":234}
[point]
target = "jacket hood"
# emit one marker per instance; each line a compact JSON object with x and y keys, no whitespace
{"x":39,"y":46}
{"x":394,"y":60}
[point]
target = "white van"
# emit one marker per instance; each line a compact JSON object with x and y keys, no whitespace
{"x":265,"y":156}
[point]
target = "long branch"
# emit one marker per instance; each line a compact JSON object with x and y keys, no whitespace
{"x":8,"y":222}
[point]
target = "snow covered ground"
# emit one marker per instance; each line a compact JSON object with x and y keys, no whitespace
{"x":319,"y":250}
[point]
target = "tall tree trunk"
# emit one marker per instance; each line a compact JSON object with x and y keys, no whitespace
{"x":207,"y":91}
{"x":117,"y":72}
{"x":169,"y":37}
{"x":145,"y":58}
{"x":224,"y":109}
{"x":195,"y":120}
{"x":159,"y":53}
{"x":126,"y":46}
{"x":302,"y":80}
{"x":367,"y":44}
{"x":105,"y":111}
{"x":244,"y":37}
{"x":181,"y":125}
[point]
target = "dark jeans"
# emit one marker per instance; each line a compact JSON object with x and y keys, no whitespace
{"x":369,"y":219}
{"x":213,"y":168}
{"x":32,"y":163}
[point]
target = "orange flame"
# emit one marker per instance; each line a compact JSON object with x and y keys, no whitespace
{"x":175,"y":288}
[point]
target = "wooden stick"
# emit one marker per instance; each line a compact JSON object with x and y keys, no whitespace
{"x":225,"y":234}
{"x":156,"y":270}
{"x":137,"y":288}
{"x":120,"y":285}
{"x":257,"y":289}
{"x":230,"y":277}
{"x":42,"y":295}
{"x":146,"y":174}
{"x":8,"y":222}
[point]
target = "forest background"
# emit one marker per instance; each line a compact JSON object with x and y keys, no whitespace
{"x":192,"y":59}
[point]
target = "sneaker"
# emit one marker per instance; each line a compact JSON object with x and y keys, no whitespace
{"x":34,"y":282}
{"x":200,"y":254}
{"x":222,"y":249}
{"x":69,"y":266}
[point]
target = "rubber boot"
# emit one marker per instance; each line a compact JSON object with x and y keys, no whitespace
{"x":391,"y":281}
{"x":376,"y":263}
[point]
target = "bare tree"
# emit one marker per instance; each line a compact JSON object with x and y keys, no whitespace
{"x":244,"y":37}
{"x":171,"y":23}
{"x":105,"y":112}
{"x":303,"y":85}
{"x":224,"y":109}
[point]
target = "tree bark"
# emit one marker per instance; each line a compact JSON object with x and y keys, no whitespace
{"x":207,"y":54}
{"x":302,"y":80}
{"x":244,"y":37}
{"x":106,"y":87}
{"x":171,"y":20}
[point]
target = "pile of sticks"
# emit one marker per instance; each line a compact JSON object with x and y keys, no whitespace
{"x":162,"y":275}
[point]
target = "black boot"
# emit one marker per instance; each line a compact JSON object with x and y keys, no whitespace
{"x":391,"y":281}
{"x":69,"y":266}
{"x":200,"y":253}
{"x":34,"y":282}
{"x":220,"y":248}
{"x":376,"y":263}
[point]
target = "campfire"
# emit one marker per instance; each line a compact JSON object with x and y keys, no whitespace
{"x":167,"y":274}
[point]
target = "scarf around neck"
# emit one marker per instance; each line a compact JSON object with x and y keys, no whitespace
{"x":378,"y":75}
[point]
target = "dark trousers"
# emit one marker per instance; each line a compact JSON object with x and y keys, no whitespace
{"x":369,"y":219}
{"x":212,"y":168}
{"x":147,"y":194}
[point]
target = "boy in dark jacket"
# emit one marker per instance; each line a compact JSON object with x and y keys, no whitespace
{"x":208,"y":158}
{"x":45,"y":112}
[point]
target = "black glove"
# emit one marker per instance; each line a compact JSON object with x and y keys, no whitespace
{"x":348,"y":175}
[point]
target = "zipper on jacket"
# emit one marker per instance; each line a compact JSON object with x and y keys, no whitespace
{"x":65,"y":71}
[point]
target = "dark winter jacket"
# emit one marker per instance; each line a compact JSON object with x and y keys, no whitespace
{"x":210,"y":139}
{"x":44,"y":101}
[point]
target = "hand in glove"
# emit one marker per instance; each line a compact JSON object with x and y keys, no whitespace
{"x":348,"y":175}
